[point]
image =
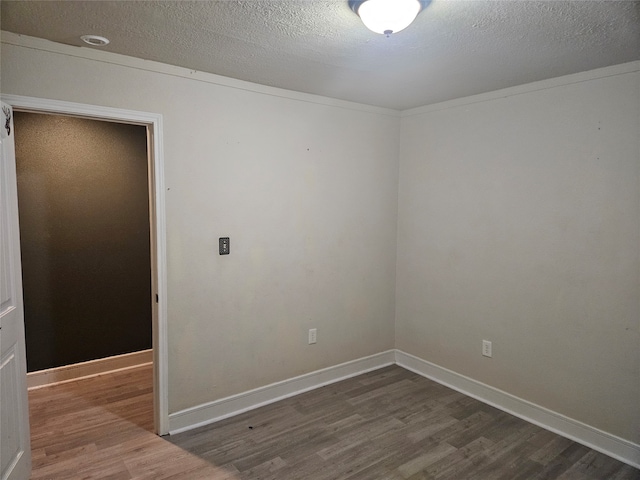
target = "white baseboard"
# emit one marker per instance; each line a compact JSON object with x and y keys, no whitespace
{"x":76,"y":371}
{"x":228,"y":407}
{"x":616,"y":447}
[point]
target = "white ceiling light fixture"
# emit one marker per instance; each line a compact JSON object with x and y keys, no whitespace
{"x":95,"y":40}
{"x":387,"y":16}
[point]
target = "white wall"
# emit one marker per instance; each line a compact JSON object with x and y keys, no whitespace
{"x":519,"y":223}
{"x":305,"y":187}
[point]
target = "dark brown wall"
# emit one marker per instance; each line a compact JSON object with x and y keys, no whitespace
{"x":84,"y":227}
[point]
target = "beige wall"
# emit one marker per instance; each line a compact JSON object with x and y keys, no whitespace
{"x":519,"y":223}
{"x":305,"y":187}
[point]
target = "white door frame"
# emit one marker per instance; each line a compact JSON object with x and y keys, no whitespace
{"x":153,"y":122}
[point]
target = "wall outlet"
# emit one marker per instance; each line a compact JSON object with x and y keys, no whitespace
{"x":486,"y":348}
{"x":313,"y":333}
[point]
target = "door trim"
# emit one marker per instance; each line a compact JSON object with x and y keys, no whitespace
{"x":153,"y":122}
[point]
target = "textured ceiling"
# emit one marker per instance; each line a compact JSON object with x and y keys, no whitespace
{"x":454,"y":48}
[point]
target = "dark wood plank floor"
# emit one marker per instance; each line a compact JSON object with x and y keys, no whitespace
{"x":387,"y":424}
{"x":392,"y":424}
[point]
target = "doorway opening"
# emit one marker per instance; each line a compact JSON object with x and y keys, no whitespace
{"x":83,"y":201}
{"x":151,"y":126}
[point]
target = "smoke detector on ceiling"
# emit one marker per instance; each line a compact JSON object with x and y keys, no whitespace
{"x":95,"y":40}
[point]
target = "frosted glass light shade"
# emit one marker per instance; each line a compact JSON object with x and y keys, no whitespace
{"x":388,"y":16}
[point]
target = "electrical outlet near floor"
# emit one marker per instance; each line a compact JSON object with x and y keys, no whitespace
{"x":313,"y":334}
{"x":486,"y":348}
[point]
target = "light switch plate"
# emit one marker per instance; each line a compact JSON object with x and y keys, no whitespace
{"x":223,"y":245}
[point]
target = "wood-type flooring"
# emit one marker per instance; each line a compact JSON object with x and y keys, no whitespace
{"x":386,"y":424}
{"x":102,"y":428}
